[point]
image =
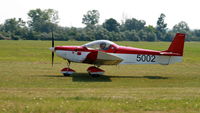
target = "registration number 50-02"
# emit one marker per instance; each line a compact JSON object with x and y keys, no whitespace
{"x":146,"y":58}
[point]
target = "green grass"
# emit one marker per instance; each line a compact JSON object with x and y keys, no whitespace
{"x":28,"y":83}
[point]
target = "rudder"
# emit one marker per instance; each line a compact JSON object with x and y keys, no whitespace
{"x":177,"y":44}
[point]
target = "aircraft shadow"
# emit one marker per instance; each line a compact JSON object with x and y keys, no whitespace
{"x":148,"y":77}
{"x":84,"y":77}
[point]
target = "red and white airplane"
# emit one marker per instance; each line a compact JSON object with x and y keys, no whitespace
{"x":104,"y":52}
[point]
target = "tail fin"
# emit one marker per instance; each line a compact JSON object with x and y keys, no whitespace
{"x":177,"y":44}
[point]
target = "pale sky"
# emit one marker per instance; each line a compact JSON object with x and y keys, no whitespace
{"x":71,"y":11}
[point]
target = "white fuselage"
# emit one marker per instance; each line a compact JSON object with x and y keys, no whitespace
{"x":77,"y":56}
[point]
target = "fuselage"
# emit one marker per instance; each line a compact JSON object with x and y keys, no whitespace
{"x":129,"y":55}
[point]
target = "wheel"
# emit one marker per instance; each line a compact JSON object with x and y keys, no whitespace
{"x":65,"y":74}
{"x":95,"y":75}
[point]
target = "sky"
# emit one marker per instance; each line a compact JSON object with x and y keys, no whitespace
{"x":71,"y":11}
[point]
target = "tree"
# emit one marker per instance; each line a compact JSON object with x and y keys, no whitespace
{"x":13,"y":24}
{"x":111,"y":25}
{"x":131,"y":35}
{"x":43,"y":20}
{"x":91,"y":18}
{"x":134,"y":24}
{"x":151,"y":36}
{"x":196,"y":35}
{"x":150,"y":28}
{"x":72,"y":33}
{"x":197,"y":32}
{"x":143,"y":35}
{"x":169,"y":36}
{"x":181,"y":27}
{"x":151,"y":33}
{"x":1,"y":27}
{"x":161,"y":27}
{"x":16,"y":28}
{"x":101,"y":33}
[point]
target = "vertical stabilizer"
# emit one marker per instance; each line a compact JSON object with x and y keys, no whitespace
{"x":177,"y":44}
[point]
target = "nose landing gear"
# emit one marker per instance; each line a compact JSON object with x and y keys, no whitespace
{"x":67,"y":71}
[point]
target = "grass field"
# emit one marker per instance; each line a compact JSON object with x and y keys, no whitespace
{"x":28,"y":83}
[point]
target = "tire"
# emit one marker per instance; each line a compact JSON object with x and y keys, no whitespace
{"x":95,"y":75}
{"x":66,"y":75}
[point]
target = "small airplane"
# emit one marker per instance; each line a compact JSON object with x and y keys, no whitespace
{"x":105,"y":52}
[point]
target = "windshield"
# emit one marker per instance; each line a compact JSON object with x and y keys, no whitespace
{"x":99,"y":45}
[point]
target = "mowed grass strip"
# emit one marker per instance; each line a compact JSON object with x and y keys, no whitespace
{"x":28,"y":83}
{"x":104,"y":100}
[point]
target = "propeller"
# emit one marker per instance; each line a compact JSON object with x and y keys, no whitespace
{"x":52,"y":46}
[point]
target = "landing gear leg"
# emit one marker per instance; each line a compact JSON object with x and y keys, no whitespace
{"x":68,"y":63}
{"x":67,"y":71}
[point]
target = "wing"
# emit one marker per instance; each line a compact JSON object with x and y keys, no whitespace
{"x":102,"y":58}
{"x":107,"y":59}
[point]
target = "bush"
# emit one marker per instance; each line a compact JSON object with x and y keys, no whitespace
{"x":2,"y":37}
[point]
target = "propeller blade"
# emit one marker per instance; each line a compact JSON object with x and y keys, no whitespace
{"x":52,"y":58}
{"x":52,"y":38}
{"x":52,"y":54}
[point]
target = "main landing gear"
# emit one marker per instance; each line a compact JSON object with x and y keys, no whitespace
{"x":95,"y":71}
{"x":92,"y":70}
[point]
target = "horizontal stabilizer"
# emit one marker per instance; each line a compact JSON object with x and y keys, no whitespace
{"x":165,"y":60}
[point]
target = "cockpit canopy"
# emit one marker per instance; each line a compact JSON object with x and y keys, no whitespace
{"x":99,"y":45}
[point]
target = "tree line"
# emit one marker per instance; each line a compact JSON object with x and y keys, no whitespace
{"x":42,"y":22}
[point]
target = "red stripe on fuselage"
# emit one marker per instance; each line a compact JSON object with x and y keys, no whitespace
{"x":118,"y":50}
{"x":131,"y":50}
{"x":70,"y":48}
